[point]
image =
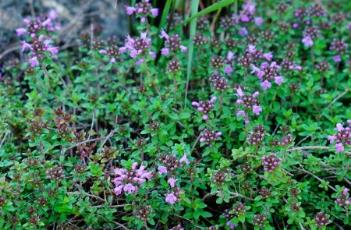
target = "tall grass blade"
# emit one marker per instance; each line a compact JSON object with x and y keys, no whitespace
{"x":194,"y":10}
{"x":214,"y":7}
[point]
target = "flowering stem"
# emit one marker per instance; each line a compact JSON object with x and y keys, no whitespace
{"x":308,"y":148}
{"x":235,"y":194}
{"x":316,"y":177}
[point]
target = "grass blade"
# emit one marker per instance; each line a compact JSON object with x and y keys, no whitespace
{"x":163,"y":22}
{"x":214,"y":7}
{"x":194,"y":9}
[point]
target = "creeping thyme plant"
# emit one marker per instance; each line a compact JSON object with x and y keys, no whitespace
{"x":207,"y":115}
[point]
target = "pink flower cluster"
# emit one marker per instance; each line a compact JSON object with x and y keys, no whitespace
{"x":136,"y":46}
{"x":207,"y":136}
{"x":267,"y":73}
{"x":144,"y":9}
{"x":204,"y":107}
{"x":38,"y":43}
{"x":33,"y":26}
{"x":129,"y":181}
{"x":342,"y":138}
{"x":344,"y":198}
{"x":228,"y":68}
{"x":249,"y":102}
{"x":173,"y":196}
{"x":171,"y":163}
{"x":270,"y":162}
{"x":247,"y":12}
{"x":172,"y":43}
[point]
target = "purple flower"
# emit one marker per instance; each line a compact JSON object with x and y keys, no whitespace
{"x":171,"y":198}
{"x":154,"y":12}
{"x":244,"y":18}
{"x":164,"y":35}
{"x":162,"y":170}
{"x":118,"y":190}
{"x":270,"y":162}
{"x":337,"y":58}
{"x":183,"y":48}
{"x":47,"y":23}
{"x":230,"y":225}
{"x":268,"y":56}
{"x":171,"y":181}
{"x":140,"y":61}
{"x":204,"y":106}
{"x":342,"y":137}
{"x":130,"y":10}
{"x":184,"y":159}
{"x":129,"y":188}
{"x":25,"y":46}
{"x":307,"y":41}
{"x":102,"y":51}
{"x":165,"y":51}
{"x":243,"y":32}
{"x":258,"y":21}
{"x":249,"y":7}
{"x":331,"y":139}
{"x":339,"y":127}
{"x":251,"y":49}
{"x":33,"y":61}
{"x":21,"y":31}
{"x":230,"y":56}
{"x":52,"y":14}
{"x":256,"y":109}
{"x":278,"y":80}
{"x":152,"y":55}
{"x":208,"y":136}
{"x":249,"y":102}
{"x":53,"y":50}
{"x":128,"y":181}
{"x":228,"y":69}
{"x":339,"y":147}
{"x":241,"y":113}
{"x":239,"y":92}
{"x":266,"y":85}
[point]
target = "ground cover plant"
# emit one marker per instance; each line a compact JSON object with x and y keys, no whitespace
{"x":208,"y":115}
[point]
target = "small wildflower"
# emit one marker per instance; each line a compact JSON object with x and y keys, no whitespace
{"x":344,"y":198}
{"x":250,"y":102}
{"x":171,"y":198}
{"x":321,"y":219}
{"x":128,"y":181}
{"x":208,"y":136}
{"x":218,"y":82}
{"x":184,"y":160}
{"x":162,"y":170}
{"x":259,"y":220}
{"x":204,"y":107}
{"x":307,"y":41}
{"x":270,"y":162}
{"x":342,"y":138}
{"x":171,"y":181}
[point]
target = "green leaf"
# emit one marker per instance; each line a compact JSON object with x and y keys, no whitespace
{"x":214,"y":7}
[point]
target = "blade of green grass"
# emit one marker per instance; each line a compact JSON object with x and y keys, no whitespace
{"x":194,"y":9}
{"x":214,"y":7}
{"x":163,"y":21}
{"x":165,"y":14}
